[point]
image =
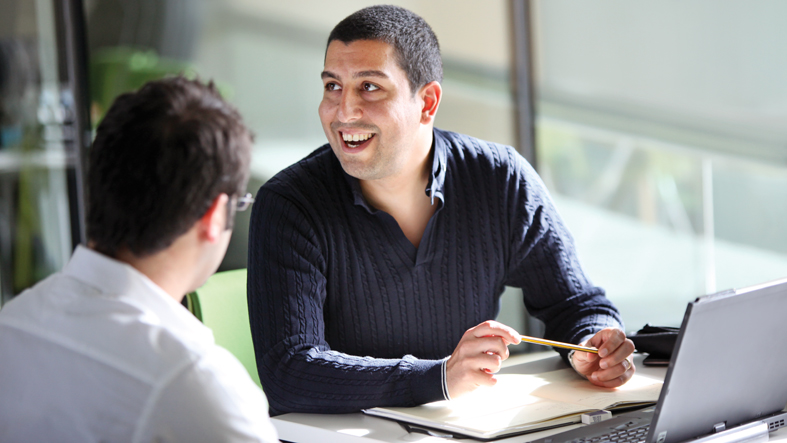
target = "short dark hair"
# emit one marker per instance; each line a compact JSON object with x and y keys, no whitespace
{"x":413,"y":40}
{"x":160,"y":158}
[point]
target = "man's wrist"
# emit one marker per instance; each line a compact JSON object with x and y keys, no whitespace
{"x":571,"y":362}
{"x":571,"y":359}
{"x":444,"y":378}
{"x":570,"y":356}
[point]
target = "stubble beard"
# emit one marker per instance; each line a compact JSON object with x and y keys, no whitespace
{"x":376,"y":167}
{"x":372,"y":169}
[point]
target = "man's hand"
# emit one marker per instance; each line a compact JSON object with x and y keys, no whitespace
{"x":612,"y":366}
{"x":478,"y":356}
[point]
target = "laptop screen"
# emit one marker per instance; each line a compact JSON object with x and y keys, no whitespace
{"x":728,"y":365}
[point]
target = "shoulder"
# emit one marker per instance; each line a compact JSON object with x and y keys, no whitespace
{"x":31,"y":304}
{"x":103,"y":331}
{"x":223,"y":401}
{"x":319,"y":170}
{"x":483,"y":156}
{"x":308,"y":194}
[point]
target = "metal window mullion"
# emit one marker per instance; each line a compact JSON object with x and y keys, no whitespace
{"x":523,"y":79}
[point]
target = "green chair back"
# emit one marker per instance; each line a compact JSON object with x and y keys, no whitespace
{"x":221,"y":305}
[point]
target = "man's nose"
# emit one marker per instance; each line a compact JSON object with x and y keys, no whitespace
{"x":349,"y":107}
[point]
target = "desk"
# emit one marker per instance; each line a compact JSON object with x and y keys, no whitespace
{"x":361,"y":428}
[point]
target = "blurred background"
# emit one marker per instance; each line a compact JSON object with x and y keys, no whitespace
{"x":659,"y":128}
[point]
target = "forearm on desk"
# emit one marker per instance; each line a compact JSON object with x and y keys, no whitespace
{"x":324,"y":381}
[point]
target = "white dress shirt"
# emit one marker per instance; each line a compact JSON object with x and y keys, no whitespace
{"x":100,"y":353}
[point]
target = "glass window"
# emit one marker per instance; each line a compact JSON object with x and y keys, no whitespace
{"x":37,"y":158}
{"x":660,"y":132}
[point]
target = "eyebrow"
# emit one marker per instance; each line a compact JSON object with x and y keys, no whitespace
{"x":371,"y":73}
{"x":380,"y":74}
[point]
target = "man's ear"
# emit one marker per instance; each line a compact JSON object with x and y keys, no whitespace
{"x":431,"y":94}
{"x":214,"y":220}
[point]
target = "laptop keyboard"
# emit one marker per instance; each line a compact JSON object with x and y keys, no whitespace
{"x":629,"y":435}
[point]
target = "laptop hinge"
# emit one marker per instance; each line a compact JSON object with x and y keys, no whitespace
{"x":720,"y":427}
{"x":756,"y":432}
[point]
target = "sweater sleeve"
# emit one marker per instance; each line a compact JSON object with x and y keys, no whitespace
{"x":286,"y":292}
{"x":544,"y":263}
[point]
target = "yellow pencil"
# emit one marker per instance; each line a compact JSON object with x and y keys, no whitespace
{"x":558,"y":344}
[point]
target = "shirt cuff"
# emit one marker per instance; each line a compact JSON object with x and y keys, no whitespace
{"x":571,"y":360}
{"x":444,"y":379}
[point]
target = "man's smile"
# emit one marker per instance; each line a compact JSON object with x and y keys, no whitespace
{"x":357,"y":141}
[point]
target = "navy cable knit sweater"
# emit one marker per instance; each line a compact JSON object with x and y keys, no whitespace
{"x":347,"y":314}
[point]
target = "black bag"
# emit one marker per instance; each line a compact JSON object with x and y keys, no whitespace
{"x":657,"y":341}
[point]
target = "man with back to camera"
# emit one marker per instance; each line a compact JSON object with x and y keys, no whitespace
{"x":371,"y":258}
{"x":103,"y":350}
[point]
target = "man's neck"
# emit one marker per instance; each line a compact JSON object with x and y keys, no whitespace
{"x":168,"y":269}
{"x":403,"y":197}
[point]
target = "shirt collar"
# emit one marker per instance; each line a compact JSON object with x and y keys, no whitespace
{"x":113,"y":278}
{"x":355,"y":187}
{"x":437,"y":178}
{"x":434,"y":188}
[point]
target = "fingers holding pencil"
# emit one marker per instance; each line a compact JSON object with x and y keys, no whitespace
{"x":612,"y":366}
{"x":478,"y":356}
{"x":558,"y":344}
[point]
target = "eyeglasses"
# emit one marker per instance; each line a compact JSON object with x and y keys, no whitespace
{"x":244,"y":202}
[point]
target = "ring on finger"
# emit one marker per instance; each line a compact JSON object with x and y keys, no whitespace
{"x":626,"y":364}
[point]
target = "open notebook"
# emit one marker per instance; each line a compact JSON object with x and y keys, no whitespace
{"x":525,"y":403}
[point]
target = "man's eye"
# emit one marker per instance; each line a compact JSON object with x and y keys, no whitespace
{"x":369,"y":87}
{"x":332,"y":87}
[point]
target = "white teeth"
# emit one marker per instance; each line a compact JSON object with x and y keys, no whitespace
{"x":356,"y":137}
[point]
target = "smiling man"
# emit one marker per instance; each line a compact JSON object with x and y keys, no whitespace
{"x":377,"y":262}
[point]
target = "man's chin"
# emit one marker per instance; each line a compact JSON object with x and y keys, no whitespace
{"x":362,"y":167}
{"x":356,"y":170}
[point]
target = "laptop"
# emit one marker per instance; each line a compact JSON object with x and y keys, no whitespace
{"x":725,"y":379}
